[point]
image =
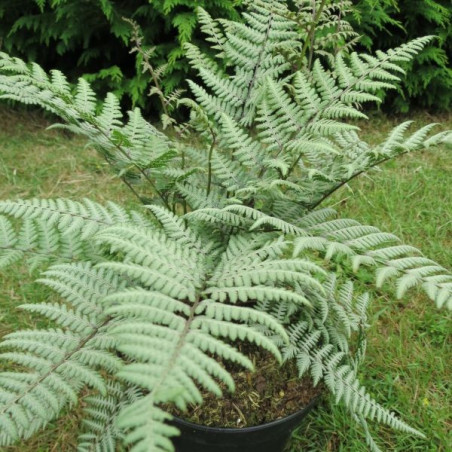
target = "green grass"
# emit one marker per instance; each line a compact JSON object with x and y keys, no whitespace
{"x":409,"y":355}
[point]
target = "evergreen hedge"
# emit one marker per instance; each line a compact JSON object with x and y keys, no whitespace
{"x":90,"y":38}
{"x":385,"y":24}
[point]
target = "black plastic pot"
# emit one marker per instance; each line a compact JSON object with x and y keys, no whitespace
{"x":270,"y":437}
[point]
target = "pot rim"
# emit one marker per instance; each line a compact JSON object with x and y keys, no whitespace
{"x":253,"y":428}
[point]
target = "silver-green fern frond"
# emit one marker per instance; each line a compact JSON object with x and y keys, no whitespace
{"x":368,"y":246}
{"x":164,"y":305}
{"x":303,"y":147}
{"x":135,"y":149}
{"x":360,"y":245}
{"x":101,"y":432}
{"x":59,"y":361}
{"x":320,"y":346}
{"x":56,"y":229}
{"x":249,"y":48}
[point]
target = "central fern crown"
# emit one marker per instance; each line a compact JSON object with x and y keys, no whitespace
{"x":233,"y":244}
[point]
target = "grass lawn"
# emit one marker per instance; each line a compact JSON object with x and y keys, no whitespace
{"x":409,"y":355}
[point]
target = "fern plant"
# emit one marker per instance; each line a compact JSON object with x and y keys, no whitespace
{"x":233,"y":244}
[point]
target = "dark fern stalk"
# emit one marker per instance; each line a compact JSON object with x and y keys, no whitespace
{"x":316,"y":14}
{"x":137,"y":40}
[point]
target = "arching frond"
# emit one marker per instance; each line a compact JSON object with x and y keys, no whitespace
{"x":59,"y":361}
{"x":367,"y":245}
{"x":318,"y":347}
{"x":56,"y":229}
{"x":131,"y":147}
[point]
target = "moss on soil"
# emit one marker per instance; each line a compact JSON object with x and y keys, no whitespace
{"x":271,"y":392}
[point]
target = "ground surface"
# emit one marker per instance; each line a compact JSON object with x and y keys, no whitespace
{"x":409,"y":354}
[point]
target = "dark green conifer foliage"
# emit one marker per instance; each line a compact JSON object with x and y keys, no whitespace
{"x":91,"y":38}
{"x":388,"y":23}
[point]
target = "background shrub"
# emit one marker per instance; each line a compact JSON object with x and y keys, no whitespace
{"x":90,"y":38}
{"x":386,"y":24}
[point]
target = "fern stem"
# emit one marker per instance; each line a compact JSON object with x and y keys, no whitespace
{"x":38,"y":253}
{"x":311,"y":34}
{"x":126,"y":182}
{"x":130,"y":187}
{"x":184,"y":202}
{"x":209,"y":165}
{"x":138,"y":38}
{"x":125,"y":154}
{"x":177,"y":349}
{"x":346,"y":181}
{"x":156,"y":82}
{"x":258,"y":64}
{"x":73,"y":215}
{"x":338,"y":29}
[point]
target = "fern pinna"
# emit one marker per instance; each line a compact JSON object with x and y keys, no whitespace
{"x":236,"y":246}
